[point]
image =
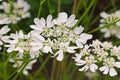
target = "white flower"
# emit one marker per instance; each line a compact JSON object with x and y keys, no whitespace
{"x":59,"y":38}
{"x":24,"y":44}
{"x":88,"y":63}
{"x":77,"y":56}
{"x":47,"y":46}
{"x":85,"y":51}
{"x":112,"y":29}
{"x":39,"y":43}
{"x":19,"y":63}
{"x":43,"y":26}
{"x":102,"y":54}
{"x":64,"y":20}
{"x":5,"y":6}
{"x":109,"y":65}
{"x":25,"y":8}
{"x":79,"y":37}
{"x":63,"y":48}
{"x":96,"y":43}
{"x":19,"y":42}
{"x":19,"y":10}
{"x":3,"y":31}
{"x":107,"y":45}
{"x":115,"y":51}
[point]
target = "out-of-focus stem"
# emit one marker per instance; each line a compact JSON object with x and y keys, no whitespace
{"x":42,"y":66}
{"x":59,"y":5}
{"x":74,"y":5}
{"x":53,"y":69}
{"x":40,"y":7}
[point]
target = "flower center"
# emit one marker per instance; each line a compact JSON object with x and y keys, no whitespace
{"x":109,"y":62}
{"x":24,"y":45}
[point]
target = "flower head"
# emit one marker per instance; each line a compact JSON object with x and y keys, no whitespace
{"x":112,"y":29}
{"x":19,"y":10}
{"x":59,"y":38}
{"x":24,"y":44}
{"x":102,"y":55}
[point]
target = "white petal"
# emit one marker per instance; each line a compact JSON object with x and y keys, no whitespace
{"x":117,"y":64}
{"x":70,"y":19}
{"x":78,"y":30}
{"x":70,"y":50}
{"x":38,"y":38}
{"x":25,"y":72}
{"x":79,"y":44}
{"x":42,"y":21}
{"x":5,"y":38}
{"x":21,"y":34}
{"x":49,"y":19}
{"x":10,"y":49}
{"x":47,"y":49}
{"x":72,"y":23}
{"x":77,"y":57}
{"x":62,"y":17}
{"x":4,"y":30}
{"x":84,"y":37}
{"x":112,"y":72}
{"x":93,"y":67}
{"x":38,"y":23}
{"x":80,"y":62}
{"x":1,"y":43}
{"x":60,"y":55}
{"x":105,"y":69}
{"x":14,"y":36}
{"x":35,"y":27}
{"x":104,"y":15}
{"x":18,"y":49}
{"x":85,"y":68}
{"x":5,"y":21}
{"x":32,"y":54}
{"x":36,"y":48}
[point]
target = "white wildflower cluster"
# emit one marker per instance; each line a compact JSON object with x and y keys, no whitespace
{"x":53,"y":36}
{"x":103,"y":56}
{"x":23,"y":44}
{"x":15,"y":11}
{"x":112,"y":29}
{"x":59,"y":38}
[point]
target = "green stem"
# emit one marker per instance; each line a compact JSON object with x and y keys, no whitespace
{"x":59,"y":6}
{"x":85,"y":13}
{"x":74,"y":5}
{"x":4,"y":65}
{"x":16,"y":71}
{"x":49,"y":6}
{"x":113,"y":4}
{"x":40,"y":7}
{"x":30,"y":77}
{"x":53,"y":69}
{"x":23,"y":66}
{"x":41,"y":67}
{"x":107,"y":25}
{"x":91,"y":15}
